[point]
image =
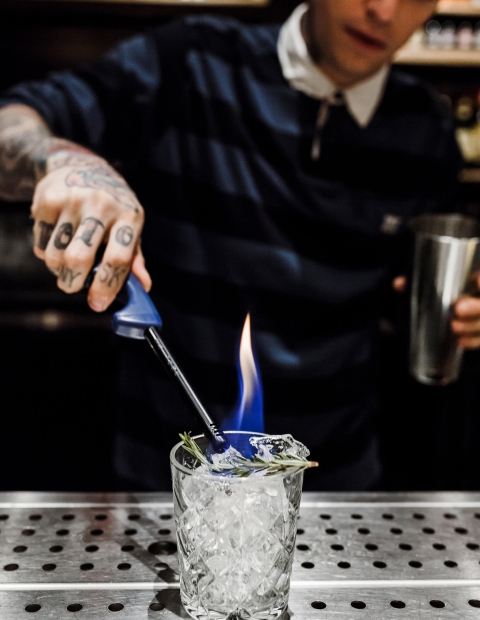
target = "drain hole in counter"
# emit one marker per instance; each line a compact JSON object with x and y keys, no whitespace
{"x":162,"y":547}
{"x":398,"y":604}
{"x":474,"y":603}
{"x":318,"y":605}
{"x":33,"y":608}
{"x":124,"y":566}
{"x":91,"y":548}
{"x":86,"y":567}
{"x":20,"y":549}
{"x":115,"y":607}
{"x":358,"y":604}
{"x":75,"y":607}
{"x":35,"y":517}
{"x":437,"y":604}
{"x":343,"y":565}
{"x":308,"y":564}
{"x":157,"y":606}
{"x":10,"y":567}
{"x":49,"y":567}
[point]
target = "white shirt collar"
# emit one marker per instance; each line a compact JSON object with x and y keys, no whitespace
{"x":362,"y":100}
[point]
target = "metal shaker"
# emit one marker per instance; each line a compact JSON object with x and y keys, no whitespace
{"x":446,"y":258}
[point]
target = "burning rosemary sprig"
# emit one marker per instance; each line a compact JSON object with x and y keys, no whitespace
{"x":246,"y":467}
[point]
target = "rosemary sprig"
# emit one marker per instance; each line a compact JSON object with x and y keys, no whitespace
{"x":246,"y":467}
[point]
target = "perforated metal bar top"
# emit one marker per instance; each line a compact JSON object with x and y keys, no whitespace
{"x":375,"y":556}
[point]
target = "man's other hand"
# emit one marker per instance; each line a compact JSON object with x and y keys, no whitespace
{"x":466,"y":321}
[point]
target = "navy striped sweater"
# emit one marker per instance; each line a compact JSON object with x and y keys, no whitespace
{"x":239,"y":219}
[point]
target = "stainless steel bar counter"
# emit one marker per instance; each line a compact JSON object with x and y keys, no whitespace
{"x":375,"y":556}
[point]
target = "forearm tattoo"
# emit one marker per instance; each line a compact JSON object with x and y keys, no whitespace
{"x":113,"y":276}
{"x":63,"y":236}
{"x":90,"y":225}
{"x":20,"y":135}
{"x":45,"y":233}
{"x":124,"y":235}
{"x":26,"y":143}
{"x":104,"y":178}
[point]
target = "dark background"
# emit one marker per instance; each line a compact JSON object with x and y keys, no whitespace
{"x":59,"y":360}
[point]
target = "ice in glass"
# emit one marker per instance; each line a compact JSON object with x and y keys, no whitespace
{"x":236,"y":535}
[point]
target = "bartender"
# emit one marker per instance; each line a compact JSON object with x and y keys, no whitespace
{"x":276,"y":168}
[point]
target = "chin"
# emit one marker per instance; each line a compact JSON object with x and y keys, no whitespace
{"x":360,"y":69}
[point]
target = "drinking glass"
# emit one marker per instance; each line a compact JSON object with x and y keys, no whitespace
{"x":236,"y":538}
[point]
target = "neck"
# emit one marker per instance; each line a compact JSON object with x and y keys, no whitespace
{"x":339,"y":78}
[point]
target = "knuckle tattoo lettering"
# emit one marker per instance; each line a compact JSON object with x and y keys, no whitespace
{"x":45,"y":233}
{"x":63,"y":236}
{"x":68,"y":276}
{"x":124,"y":235}
{"x":90,"y":225}
{"x":112,"y":275}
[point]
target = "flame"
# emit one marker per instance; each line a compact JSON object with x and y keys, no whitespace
{"x":248,"y":414}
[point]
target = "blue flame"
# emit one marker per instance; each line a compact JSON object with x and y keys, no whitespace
{"x":248,"y":412}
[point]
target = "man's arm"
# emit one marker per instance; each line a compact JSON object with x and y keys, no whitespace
{"x":78,"y":202}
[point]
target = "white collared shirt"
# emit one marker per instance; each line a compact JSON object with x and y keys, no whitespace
{"x":299,"y":69}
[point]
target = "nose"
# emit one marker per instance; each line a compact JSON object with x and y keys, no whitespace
{"x":382,"y":10}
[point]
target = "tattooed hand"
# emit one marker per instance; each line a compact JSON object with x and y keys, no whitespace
{"x":79,"y":202}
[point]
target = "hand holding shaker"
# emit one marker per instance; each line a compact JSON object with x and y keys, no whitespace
{"x":446,"y":257}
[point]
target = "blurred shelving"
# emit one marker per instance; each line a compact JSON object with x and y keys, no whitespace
{"x":459,"y":8}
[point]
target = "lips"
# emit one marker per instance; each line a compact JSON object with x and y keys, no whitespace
{"x":366,"y":40}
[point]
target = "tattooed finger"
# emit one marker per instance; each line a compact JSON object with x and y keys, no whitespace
{"x":63,"y":236}
{"x":124,"y":235}
{"x":68,"y":276}
{"x":90,"y":225}
{"x":112,"y":275}
{"x":46,"y":230}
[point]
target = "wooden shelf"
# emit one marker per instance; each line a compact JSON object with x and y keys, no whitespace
{"x":196,"y":3}
{"x":459,"y":8}
{"x":418,"y":55}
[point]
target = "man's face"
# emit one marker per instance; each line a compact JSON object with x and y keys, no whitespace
{"x":352,"y":39}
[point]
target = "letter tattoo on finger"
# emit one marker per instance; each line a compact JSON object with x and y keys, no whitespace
{"x":90,"y":225}
{"x":46,"y":230}
{"x":124,"y":235}
{"x":68,"y":276}
{"x":63,"y":236}
{"x":113,"y":276}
